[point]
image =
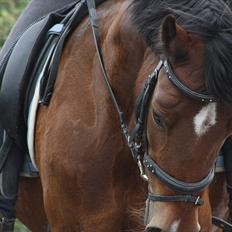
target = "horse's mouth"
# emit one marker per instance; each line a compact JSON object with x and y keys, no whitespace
{"x":154,"y":229}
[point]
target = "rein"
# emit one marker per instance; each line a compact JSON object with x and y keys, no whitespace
{"x":135,"y":139}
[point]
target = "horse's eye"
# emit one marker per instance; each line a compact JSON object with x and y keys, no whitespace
{"x":157,"y":118}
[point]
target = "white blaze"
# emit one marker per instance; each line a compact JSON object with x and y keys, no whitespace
{"x":174,"y":226}
{"x":205,"y":119}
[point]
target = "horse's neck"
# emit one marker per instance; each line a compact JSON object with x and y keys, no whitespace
{"x":123,"y":51}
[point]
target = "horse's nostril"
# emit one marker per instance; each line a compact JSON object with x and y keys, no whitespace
{"x":153,"y":229}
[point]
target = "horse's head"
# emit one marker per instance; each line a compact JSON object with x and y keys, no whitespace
{"x":186,"y":127}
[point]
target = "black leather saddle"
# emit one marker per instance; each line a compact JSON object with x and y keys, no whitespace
{"x":18,"y":71}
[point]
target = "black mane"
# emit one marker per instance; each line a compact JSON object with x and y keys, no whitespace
{"x":211,"y":20}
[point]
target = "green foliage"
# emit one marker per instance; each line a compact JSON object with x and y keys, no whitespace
{"x":19,"y":227}
{"x":9,"y":12}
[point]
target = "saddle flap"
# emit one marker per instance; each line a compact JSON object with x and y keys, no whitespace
{"x":18,"y":73}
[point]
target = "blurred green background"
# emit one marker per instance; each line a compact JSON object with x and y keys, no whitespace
{"x":9,"y":12}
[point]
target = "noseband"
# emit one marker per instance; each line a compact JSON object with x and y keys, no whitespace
{"x":137,"y":138}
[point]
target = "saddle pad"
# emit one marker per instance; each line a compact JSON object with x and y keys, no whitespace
{"x":33,"y":109}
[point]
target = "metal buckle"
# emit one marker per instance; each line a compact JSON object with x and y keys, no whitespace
{"x":141,"y":169}
{"x":198,"y":202}
{"x":137,"y":146}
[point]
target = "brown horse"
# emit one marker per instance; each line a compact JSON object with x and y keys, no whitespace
{"x":89,"y":180}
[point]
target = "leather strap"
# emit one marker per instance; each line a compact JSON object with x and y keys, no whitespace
{"x":173,"y":183}
{"x":183,"y":88}
{"x":95,"y":28}
{"x":226,"y":226}
{"x":136,"y":136}
{"x":196,"y":200}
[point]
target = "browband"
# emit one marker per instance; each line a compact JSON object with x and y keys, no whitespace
{"x":183,"y":88}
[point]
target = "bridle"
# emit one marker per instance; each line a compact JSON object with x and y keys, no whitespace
{"x":136,"y":140}
{"x":187,"y":190}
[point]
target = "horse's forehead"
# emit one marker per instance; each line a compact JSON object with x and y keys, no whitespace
{"x":166,"y":95}
{"x":169,"y":96}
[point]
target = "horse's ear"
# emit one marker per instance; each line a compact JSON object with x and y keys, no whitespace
{"x":174,"y":39}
